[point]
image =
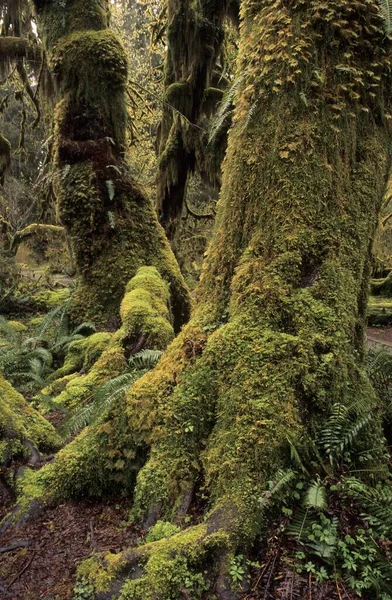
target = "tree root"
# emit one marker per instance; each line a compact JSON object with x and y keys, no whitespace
{"x":178,"y":566}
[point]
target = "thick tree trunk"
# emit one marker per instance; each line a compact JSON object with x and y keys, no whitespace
{"x":278,"y":334}
{"x":111,"y":223}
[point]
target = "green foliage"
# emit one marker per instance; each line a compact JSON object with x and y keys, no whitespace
{"x":83,"y":590}
{"x":225,"y":108}
{"x":28,"y":355}
{"x":109,"y":392}
{"x":329,"y":546}
{"x":342,"y":429}
{"x":160,"y":530}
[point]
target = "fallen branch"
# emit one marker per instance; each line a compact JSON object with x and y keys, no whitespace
{"x":14,"y":546}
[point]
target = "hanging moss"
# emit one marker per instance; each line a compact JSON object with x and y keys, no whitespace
{"x":195,"y":34}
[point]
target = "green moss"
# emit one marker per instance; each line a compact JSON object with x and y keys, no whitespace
{"x":17,"y":326}
{"x":104,"y":455}
{"x":161,"y":529}
{"x":179,"y":95}
{"x":82,"y":354}
{"x":170,"y":565}
{"x":20,"y":420}
{"x":49,"y":299}
{"x":115,"y":232}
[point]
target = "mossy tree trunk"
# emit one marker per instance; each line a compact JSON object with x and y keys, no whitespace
{"x":111,"y":223}
{"x":195,"y":34}
{"x":278,"y":334}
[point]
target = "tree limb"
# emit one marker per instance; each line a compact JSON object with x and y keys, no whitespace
{"x":14,"y":47}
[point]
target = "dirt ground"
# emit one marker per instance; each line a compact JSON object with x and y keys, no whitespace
{"x":43,"y":566}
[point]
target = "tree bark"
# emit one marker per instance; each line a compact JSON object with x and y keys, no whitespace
{"x":111,"y":223}
{"x":277,"y":337}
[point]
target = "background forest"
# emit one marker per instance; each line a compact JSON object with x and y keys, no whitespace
{"x":195,"y":299}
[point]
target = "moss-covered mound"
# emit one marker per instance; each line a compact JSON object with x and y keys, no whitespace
{"x":21,"y":424}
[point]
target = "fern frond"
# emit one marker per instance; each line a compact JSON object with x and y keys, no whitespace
{"x":386,"y":13}
{"x":376,"y":502}
{"x":145,"y":359}
{"x":316,"y":496}
{"x":343,"y":428}
{"x":225,"y":107}
{"x":103,"y":398}
{"x":48,"y":321}
{"x":281,"y":479}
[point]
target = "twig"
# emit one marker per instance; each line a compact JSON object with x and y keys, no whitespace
{"x":337,"y":589}
{"x":21,"y":572}
{"x":269,"y":576}
{"x":261,"y":575}
{"x":196,"y":215}
{"x":14,"y":546}
{"x":310,"y":586}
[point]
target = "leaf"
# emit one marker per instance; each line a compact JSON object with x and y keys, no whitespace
{"x":111,"y":189}
{"x":316,"y":496}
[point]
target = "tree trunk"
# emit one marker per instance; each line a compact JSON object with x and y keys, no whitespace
{"x":278,"y":334}
{"x":112,"y":224}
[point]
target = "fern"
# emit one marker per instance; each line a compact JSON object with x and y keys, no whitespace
{"x":342,"y":429}
{"x":316,"y":496}
{"x":110,"y":391}
{"x":376,"y":502}
{"x":282,"y":479}
{"x":103,"y":399}
{"x":145,"y":359}
{"x":111,"y":189}
{"x":386,"y":13}
{"x":225,"y":107}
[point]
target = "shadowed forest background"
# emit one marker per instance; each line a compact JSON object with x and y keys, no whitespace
{"x":195,"y":299}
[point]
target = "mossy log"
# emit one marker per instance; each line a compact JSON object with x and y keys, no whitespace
{"x":111,"y":223}
{"x":277,"y":337}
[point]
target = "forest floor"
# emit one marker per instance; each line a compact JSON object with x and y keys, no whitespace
{"x":51,"y":546}
{"x":44,"y":566}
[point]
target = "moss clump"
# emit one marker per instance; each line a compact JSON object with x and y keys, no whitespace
{"x":48,"y":299}
{"x":17,"y":326}
{"x":19,"y":421}
{"x":161,"y":529}
{"x":82,"y":354}
{"x":170,"y":566}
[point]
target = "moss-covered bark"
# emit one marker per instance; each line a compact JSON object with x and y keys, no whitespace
{"x":278,"y":334}
{"x":111,"y":223}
